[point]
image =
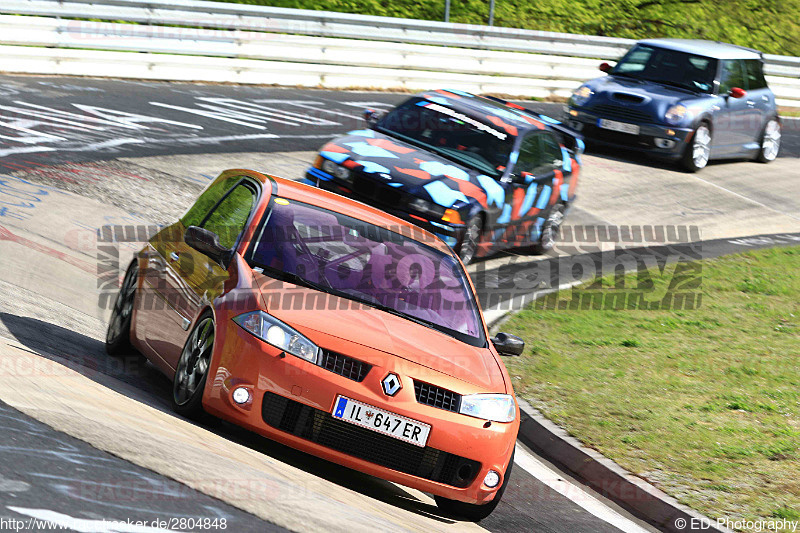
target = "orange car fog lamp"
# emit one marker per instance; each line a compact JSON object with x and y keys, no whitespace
{"x":492,"y":479}
{"x":241,"y":395}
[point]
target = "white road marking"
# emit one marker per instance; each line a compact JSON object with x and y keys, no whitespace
{"x":49,"y":119}
{"x":308,"y":104}
{"x":131,"y":120}
{"x":25,"y":150}
{"x":224,"y":115}
{"x":212,"y":140}
{"x":368,"y":104}
{"x":52,"y":518}
{"x":492,"y":315}
{"x":101,"y":115}
{"x":264,"y":113}
{"x":181,"y":140}
{"x":577,"y":494}
{"x":105,"y":144}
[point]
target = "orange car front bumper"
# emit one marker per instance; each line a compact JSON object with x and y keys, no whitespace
{"x":291,"y":401}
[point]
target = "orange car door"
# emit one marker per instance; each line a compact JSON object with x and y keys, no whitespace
{"x":170,"y":267}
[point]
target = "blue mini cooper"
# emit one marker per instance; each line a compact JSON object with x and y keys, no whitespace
{"x":686,"y":100}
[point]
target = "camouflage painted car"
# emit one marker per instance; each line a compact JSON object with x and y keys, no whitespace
{"x":481,"y":173}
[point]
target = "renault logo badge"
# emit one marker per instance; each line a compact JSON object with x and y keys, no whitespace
{"x":391,"y":384}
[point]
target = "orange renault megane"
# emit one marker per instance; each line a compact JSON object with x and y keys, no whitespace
{"x":329,"y":326}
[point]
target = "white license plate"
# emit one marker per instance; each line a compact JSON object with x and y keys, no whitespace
{"x":367,"y":416}
{"x":613,"y":125}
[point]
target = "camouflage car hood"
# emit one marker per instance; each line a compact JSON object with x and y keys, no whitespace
{"x":412,"y":169}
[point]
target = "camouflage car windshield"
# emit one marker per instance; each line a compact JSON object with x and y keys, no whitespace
{"x":451,"y":134}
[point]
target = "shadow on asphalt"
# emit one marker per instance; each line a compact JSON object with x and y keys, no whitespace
{"x":645,"y":160}
{"x":134,"y":377}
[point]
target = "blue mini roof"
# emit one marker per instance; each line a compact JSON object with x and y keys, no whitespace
{"x":712,"y":49}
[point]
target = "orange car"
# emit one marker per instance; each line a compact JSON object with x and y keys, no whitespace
{"x":331,"y":327}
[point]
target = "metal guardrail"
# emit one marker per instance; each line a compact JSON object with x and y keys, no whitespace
{"x":221,"y":15}
{"x":411,"y":54}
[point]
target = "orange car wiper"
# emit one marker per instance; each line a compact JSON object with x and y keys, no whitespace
{"x":292,"y":277}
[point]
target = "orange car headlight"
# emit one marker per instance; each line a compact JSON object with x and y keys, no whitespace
{"x":278,"y":334}
{"x":494,"y":407}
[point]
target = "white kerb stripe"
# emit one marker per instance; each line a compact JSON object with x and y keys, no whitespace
{"x":573,"y":492}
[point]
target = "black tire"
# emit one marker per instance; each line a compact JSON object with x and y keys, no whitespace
{"x":474,"y":512}
{"x":769,"y":141}
{"x":698,"y":151}
{"x":550,"y":229}
{"x":192,"y":372}
{"x":118,"y":334}
{"x":469,"y":244}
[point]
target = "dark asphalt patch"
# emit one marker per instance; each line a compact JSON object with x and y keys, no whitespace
{"x":46,"y":469}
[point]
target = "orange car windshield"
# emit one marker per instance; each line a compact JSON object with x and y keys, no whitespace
{"x":374,"y":265}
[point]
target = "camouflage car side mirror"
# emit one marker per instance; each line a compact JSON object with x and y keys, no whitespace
{"x":372,"y":117}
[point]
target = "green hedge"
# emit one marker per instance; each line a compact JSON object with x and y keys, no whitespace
{"x":770,"y":25}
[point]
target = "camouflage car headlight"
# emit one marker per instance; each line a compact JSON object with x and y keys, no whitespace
{"x":335,"y":170}
{"x":429,"y":209}
{"x":342,"y":173}
{"x":329,"y":167}
{"x":676,"y":114}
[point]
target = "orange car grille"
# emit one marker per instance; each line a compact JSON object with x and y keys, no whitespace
{"x":437,"y":396}
{"x":345,"y":366}
{"x":320,"y":427}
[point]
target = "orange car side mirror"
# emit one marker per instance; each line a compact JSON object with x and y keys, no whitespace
{"x":207,"y":243}
{"x":507,"y":344}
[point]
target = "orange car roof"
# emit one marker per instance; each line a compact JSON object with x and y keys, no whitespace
{"x":335,"y":202}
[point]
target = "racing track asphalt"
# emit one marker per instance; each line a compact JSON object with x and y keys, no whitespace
{"x":67,"y":145}
{"x":46,"y":474}
{"x":232,"y":118}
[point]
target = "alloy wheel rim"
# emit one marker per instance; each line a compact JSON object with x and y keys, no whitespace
{"x":194,"y":362}
{"x":470,"y":243}
{"x":772,"y":140}
{"x":551,"y":227}
{"x":701,"y":148}
{"x":123,"y":306}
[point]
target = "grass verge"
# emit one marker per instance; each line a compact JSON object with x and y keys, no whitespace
{"x":703,"y":403}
